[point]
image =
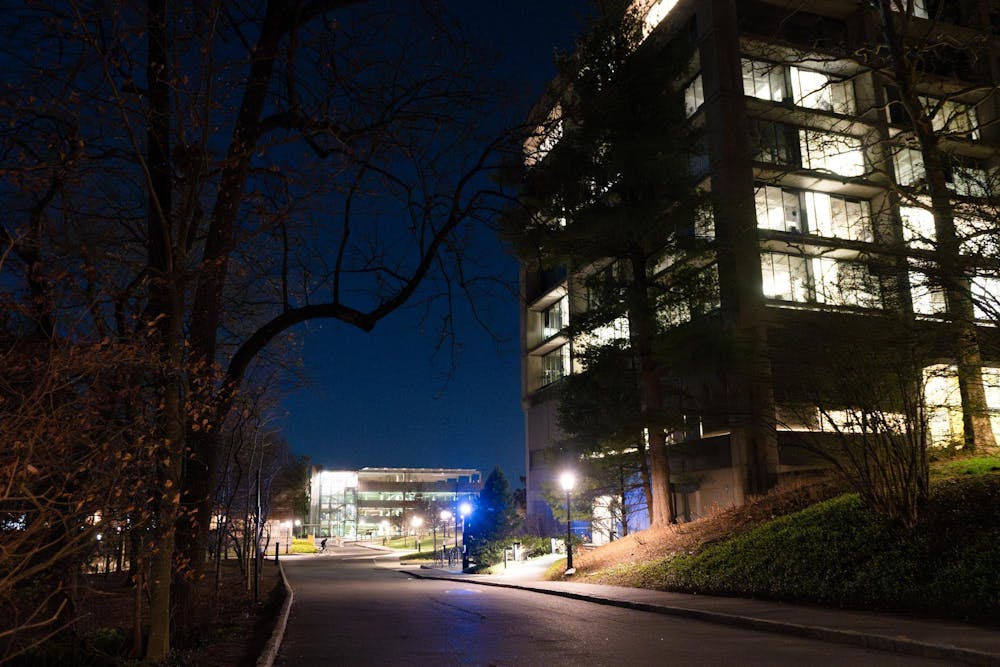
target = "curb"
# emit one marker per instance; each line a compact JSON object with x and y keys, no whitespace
{"x":849,"y":637}
{"x":270,"y":651}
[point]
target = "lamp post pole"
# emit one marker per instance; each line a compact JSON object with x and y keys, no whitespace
{"x":465,"y":509}
{"x":445,"y":515}
{"x":417,"y":522}
{"x":569,"y":537}
{"x":568,"y":480}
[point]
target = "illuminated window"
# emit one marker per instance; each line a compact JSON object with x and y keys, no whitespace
{"x":694,"y":96}
{"x":704,"y":224}
{"x":977,"y":236}
{"x":785,"y":277}
{"x":909,"y":166}
{"x":952,"y":117}
{"x":544,"y":138}
{"x":944,"y":402}
{"x":555,"y":365}
{"x":765,"y":81}
{"x":778,"y":208}
{"x":605,"y":334}
{"x":555,"y":318}
{"x":836,"y":153}
{"x":969,"y":180}
{"x":803,"y":87}
{"x":845,"y":283}
{"x":817,"y":213}
{"x":826,"y":280}
{"x":816,"y":90}
{"x":927,"y":298}
{"x":918,"y":227}
{"x":986,"y":297}
{"x":919,"y":7}
{"x":838,"y":217}
{"x":657,"y":11}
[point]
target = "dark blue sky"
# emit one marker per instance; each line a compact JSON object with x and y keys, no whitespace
{"x":378,"y":399}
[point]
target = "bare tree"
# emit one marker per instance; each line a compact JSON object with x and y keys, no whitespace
{"x":861,"y":409}
{"x":68,"y":466}
{"x":202,"y":178}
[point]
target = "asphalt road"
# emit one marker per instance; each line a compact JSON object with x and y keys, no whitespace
{"x":349,"y":610}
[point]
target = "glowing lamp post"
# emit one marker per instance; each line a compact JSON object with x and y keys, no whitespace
{"x":567,"y":480}
{"x":445,"y":517}
{"x":416,"y":522}
{"x":465,"y":509}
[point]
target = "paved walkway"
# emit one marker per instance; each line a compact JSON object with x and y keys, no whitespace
{"x":957,"y":642}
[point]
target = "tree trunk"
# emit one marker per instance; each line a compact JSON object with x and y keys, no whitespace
{"x":162,"y":563}
{"x":623,"y":488}
{"x":647,"y":488}
{"x":642,"y":330}
{"x":978,"y":432}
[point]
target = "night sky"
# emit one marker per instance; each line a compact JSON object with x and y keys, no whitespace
{"x":380,"y":399}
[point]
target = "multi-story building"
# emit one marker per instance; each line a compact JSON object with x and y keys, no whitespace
{"x":819,"y":218}
{"x":383,"y":501}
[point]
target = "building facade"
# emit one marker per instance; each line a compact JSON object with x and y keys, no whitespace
{"x":372,"y":502}
{"x":821,"y":222}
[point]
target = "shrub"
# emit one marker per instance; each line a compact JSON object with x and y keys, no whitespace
{"x":839,"y":553}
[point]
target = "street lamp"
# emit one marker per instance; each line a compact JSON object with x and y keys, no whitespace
{"x":445,"y":516}
{"x":568,"y":481}
{"x":465,"y":509}
{"x":416,"y":522}
{"x":298,"y":528}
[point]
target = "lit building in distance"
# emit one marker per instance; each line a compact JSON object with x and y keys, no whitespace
{"x":382,"y":501}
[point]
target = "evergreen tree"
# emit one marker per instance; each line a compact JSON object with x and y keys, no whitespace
{"x":496,"y":512}
{"x":612,"y":199}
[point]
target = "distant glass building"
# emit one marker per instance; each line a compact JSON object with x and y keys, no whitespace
{"x":384,"y":501}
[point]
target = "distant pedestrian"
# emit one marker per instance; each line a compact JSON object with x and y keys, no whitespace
{"x":322,"y":545}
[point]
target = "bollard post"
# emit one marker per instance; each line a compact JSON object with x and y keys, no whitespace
{"x":277,"y":547}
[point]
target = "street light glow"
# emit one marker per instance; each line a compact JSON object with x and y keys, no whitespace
{"x":567,"y":480}
{"x":445,"y":515}
{"x":417,"y":521}
{"x":465,"y":509}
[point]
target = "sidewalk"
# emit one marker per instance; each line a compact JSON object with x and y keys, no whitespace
{"x":956,"y":642}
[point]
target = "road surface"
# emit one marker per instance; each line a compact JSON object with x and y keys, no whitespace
{"x":351,"y":610}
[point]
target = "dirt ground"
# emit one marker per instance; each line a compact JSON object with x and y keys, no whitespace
{"x":658,"y":543}
{"x":228,"y":630}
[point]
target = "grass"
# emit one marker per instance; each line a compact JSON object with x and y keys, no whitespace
{"x":427,"y":543}
{"x":556,"y":570}
{"x":977,"y":465}
{"x":303,"y":546}
{"x":838,"y":553}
